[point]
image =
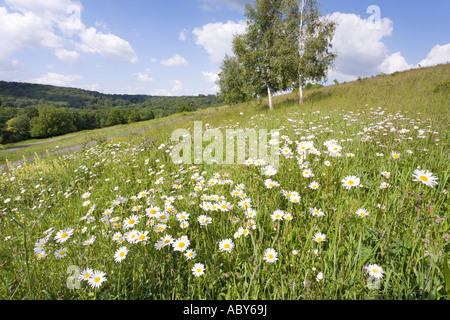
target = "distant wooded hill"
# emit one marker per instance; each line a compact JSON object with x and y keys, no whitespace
{"x":30,"y":110}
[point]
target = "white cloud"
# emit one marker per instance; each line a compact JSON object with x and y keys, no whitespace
{"x":177,"y":87}
{"x":52,"y":24}
{"x":107,"y":45}
{"x":67,"y":56}
{"x":183,"y":36}
{"x":210,"y":77}
{"x":358,"y":44}
{"x":143,"y":77}
{"x":394,"y":62}
{"x":217,"y":38}
{"x":20,"y":31}
{"x":57,"y":79}
{"x":360,"y":48}
{"x":437,"y":55}
{"x":176,"y":60}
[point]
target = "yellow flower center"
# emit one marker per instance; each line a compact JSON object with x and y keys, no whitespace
{"x":121,"y":254}
{"x":64,"y":235}
{"x":181,"y":245}
{"x":153,"y":211}
{"x":423,"y":178}
{"x":97,"y":279}
{"x":142,"y":237}
{"x":395,"y":156}
{"x":62,"y":253}
{"x":351,"y":182}
{"x":87,"y":275}
{"x":270,"y":256}
{"x":375,"y":270}
{"x":131,"y":221}
{"x":319,"y":239}
{"x":199,"y":270}
{"x":226,"y":246}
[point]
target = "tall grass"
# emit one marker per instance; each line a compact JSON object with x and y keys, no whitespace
{"x":406,"y":230}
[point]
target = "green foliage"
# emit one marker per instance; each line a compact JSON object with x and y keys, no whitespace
{"x":88,"y":109}
{"x":233,"y":86}
{"x":51,"y":122}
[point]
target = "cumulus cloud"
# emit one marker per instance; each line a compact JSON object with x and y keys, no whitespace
{"x":210,"y":77}
{"x":52,"y":24}
{"x":360,"y":48}
{"x":107,"y":45}
{"x":56,"y":79}
{"x":183,"y":36}
{"x":216,"y":38}
{"x":177,"y":88}
{"x":437,"y":55}
{"x":143,"y":77}
{"x":67,"y":56}
{"x":176,"y":60}
{"x":394,"y":62}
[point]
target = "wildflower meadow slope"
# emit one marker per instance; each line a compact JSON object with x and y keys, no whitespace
{"x":356,"y":207}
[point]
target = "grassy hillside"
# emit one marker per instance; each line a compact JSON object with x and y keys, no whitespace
{"x":343,"y":214}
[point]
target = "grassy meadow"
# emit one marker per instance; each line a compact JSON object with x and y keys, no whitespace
{"x":357,"y":209}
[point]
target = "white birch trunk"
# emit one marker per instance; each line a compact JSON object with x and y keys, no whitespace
{"x":300,"y":51}
{"x":300,"y":90}
{"x":269,"y":93}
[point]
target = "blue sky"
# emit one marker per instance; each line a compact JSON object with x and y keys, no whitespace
{"x":175,"y":47}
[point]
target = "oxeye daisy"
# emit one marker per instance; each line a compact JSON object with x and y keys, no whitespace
{"x":97,"y":278}
{"x":61,"y":253}
{"x":198,"y":269}
{"x":375,"y":271}
{"x":226,"y":245}
{"x":167,"y":240}
{"x":190,"y":254}
{"x":160,"y":227}
{"x":130,"y":222}
{"x":316,"y":212}
{"x":314,"y":185}
{"x":85,"y":274}
{"x":142,"y":236}
{"x":184,"y":224}
{"x":85,"y":195}
{"x":319,"y":237}
{"x":182,"y":216}
{"x":288,"y":216}
{"x":425,"y":176}
{"x":131,"y":236}
{"x":362,"y":212}
{"x":180,"y":244}
{"x":41,"y":254}
{"x":270,"y":255}
{"x":307,"y":173}
{"x":116,"y":236}
{"x":63,"y":235}
{"x":350,"y":181}
{"x":120,"y":254}
{"x":395,"y":155}
{"x":277,"y":215}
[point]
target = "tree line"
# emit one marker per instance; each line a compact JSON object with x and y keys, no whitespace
{"x":286,"y":46}
{"x":42,"y":111}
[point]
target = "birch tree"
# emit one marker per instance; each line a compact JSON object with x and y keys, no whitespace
{"x":257,"y":48}
{"x":312,"y":34}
